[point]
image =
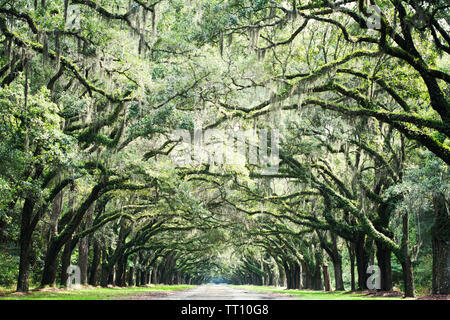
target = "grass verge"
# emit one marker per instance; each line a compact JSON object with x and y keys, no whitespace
{"x":318,"y":295}
{"x":90,"y":293}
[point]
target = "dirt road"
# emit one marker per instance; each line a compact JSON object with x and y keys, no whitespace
{"x":214,"y":292}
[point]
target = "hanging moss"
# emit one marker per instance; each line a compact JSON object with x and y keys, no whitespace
{"x":230,"y":39}
{"x":221,"y":43}
{"x":57,"y":50}
{"x":154,"y":23}
{"x":44,"y":40}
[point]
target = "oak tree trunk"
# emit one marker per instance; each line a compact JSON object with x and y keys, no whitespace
{"x":363,"y":248}
{"x":83,"y":250}
{"x":384,"y":263}
{"x":441,"y":246}
{"x":351,"y":250}
{"x":66,"y":261}
{"x":407,"y":268}
{"x":326,"y":278}
{"x":25,"y":239}
{"x":93,"y":273}
{"x":130,"y":279}
{"x":50,"y":266}
{"x":337,"y":264}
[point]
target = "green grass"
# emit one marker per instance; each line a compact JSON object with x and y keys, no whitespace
{"x":92,"y":293}
{"x":316,"y":295}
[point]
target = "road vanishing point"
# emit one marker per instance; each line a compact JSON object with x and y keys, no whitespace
{"x":214,"y":292}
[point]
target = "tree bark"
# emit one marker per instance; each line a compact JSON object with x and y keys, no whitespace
{"x":119,"y":271}
{"x":111,"y":276}
{"x":24,"y":264}
{"x":25,"y":245}
{"x":408,"y":275}
{"x":384,"y":263}
{"x":122,"y":281}
{"x":300,"y":276}
{"x":383,"y":253}
{"x":283,"y":282}
{"x":363,"y":248}
{"x":93,"y":273}
{"x":317,"y":276}
{"x":66,"y":261}
{"x":408,"y":278}
{"x":130,"y":279}
{"x":336,"y":258}
{"x":326,"y":278}
{"x":106,"y":269}
{"x":338,"y":279}
{"x":143,"y":276}
{"x":83,"y":249}
{"x":307,"y":278}
{"x":56,"y":211}
{"x":441,"y":246}
{"x":49,"y":272}
{"x":288,"y":274}
{"x":138,"y":277}
{"x":351,"y":253}
{"x":295,"y":275}
{"x":155,"y":275}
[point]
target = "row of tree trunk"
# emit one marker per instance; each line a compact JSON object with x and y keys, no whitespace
{"x":314,"y":273}
{"x":97,"y":267}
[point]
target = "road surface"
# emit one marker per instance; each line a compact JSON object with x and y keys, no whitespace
{"x":214,"y":292}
